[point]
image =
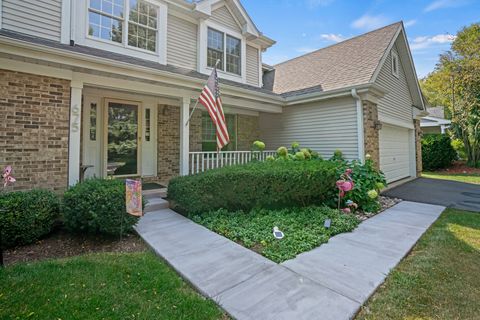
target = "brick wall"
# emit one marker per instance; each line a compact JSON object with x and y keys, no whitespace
{"x":34,"y":120}
{"x":418,"y":146}
{"x":247,"y":131}
{"x":371,"y":135}
{"x":196,"y":131}
{"x":168,"y":160}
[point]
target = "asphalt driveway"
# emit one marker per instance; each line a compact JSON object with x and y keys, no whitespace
{"x":451,"y":194}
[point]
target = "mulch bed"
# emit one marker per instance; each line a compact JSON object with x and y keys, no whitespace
{"x":61,"y":244}
{"x":460,"y":167}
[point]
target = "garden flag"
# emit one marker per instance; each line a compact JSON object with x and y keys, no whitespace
{"x":210,"y":99}
{"x":133,"y":197}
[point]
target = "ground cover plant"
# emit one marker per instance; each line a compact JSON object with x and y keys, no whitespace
{"x":303,"y":228}
{"x":100,"y":286}
{"x":438,"y":279}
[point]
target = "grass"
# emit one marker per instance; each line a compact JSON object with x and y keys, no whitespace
{"x":468,"y":178}
{"x":439,"y":279}
{"x":303,"y":228}
{"x":100,"y":286}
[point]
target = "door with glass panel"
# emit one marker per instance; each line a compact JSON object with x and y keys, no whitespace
{"x":122,"y":138}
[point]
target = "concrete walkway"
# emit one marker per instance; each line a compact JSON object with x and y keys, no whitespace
{"x":329,"y":282}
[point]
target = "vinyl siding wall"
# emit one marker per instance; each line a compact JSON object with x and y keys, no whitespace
{"x":323,"y":127}
{"x":223,"y":16}
{"x":252,"y":66}
{"x":181,"y":43}
{"x":40,"y":18}
{"x":397,"y":103}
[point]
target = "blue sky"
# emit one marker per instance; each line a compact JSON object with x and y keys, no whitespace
{"x":301,"y":26}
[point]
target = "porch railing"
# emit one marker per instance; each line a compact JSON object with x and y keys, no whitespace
{"x":202,"y":161}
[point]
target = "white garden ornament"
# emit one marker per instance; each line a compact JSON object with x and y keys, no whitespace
{"x":277,"y":233}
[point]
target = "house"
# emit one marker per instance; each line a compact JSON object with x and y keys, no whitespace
{"x":105,"y":87}
{"x":435,"y":122}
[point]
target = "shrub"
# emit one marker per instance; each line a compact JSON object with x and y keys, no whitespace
{"x":27,"y":216}
{"x":97,"y":206}
{"x":459,"y":147}
{"x":437,"y":152}
{"x":271,"y":184}
{"x":368,"y":182}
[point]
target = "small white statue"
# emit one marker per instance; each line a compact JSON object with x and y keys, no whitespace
{"x":277,"y":233}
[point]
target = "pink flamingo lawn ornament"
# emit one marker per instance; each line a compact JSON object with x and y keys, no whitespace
{"x":344,"y":185}
{"x":7,"y":179}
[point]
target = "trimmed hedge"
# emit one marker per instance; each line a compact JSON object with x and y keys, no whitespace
{"x":437,"y":151}
{"x":268,"y":185}
{"x":26,"y":216}
{"x":97,"y":206}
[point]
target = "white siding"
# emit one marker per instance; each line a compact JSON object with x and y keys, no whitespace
{"x":323,"y":127}
{"x":181,"y":43}
{"x":40,"y":18}
{"x":397,"y":103}
{"x":252,"y":66}
{"x":223,"y":16}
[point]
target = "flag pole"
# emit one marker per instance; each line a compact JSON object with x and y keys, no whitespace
{"x":196,"y":103}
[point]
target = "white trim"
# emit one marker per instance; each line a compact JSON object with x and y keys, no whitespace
{"x":1,"y":14}
{"x":75,"y":132}
{"x":184,"y":135}
{"x":66,"y":22}
{"x":395,"y":122}
{"x":412,"y":153}
{"x":360,"y":124}
{"x":395,"y":64}
{"x":202,"y":51}
{"x":260,"y":68}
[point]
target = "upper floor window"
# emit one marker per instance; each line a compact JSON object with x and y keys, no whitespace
{"x":226,"y":49}
{"x":107,"y":20}
{"x":395,"y":65}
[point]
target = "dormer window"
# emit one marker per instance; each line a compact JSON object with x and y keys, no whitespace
{"x":107,"y":21}
{"x":395,"y":65}
{"x":225,"y":48}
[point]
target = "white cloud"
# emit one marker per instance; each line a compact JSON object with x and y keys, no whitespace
{"x":442,"y":4}
{"x":332,"y":37}
{"x":305,"y":50}
{"x":318,"y":3}
{"x":368,"y":22}
{"x":426,"y":42}
{"x":410,"y":23}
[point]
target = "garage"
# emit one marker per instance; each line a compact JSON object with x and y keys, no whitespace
{"x":395,"y":152}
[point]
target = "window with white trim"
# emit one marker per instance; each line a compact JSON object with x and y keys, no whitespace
{"x":209,"y":138}
{"x":107,"y":20}
{"x":226,"y":49}
{"x":395,"y":65}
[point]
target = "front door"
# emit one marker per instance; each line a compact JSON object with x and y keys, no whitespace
{"x":122,"y":148}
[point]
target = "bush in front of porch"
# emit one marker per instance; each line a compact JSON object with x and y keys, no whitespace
{"x":269,"y":185}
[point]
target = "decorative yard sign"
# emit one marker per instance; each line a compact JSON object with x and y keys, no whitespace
{"x":133,"y":197}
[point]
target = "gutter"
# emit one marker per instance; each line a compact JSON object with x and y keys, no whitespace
{"x":360,"y":125}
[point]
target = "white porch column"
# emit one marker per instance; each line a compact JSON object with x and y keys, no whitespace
{"x":184,"y":135}
{"x":74,"y":133}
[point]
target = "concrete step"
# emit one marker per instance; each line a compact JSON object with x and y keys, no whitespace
{"x":155,"y":193}
{"x":154,"y":204}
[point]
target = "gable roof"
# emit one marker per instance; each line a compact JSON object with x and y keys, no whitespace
{"x":348,"y":63}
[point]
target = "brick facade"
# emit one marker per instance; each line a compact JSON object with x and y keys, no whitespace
{"x":196,"y":131}
{"x":168,"y":159}
{"x":371,"y":132}
{"x":247,"y":131}
{"x":418,"y":146}
{"x":34,"y":126}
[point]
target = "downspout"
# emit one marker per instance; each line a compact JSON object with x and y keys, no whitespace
{"x":360,"y":129}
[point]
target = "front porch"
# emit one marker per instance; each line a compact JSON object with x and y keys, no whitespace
{"x":127,"y":134}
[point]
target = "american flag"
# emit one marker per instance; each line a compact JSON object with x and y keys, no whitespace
{"x":210,"y":99}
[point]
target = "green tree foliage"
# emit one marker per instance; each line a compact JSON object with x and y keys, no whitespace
{"x":455,"y":84}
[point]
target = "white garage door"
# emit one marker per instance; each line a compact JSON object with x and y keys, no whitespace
{"x":395,"y":152}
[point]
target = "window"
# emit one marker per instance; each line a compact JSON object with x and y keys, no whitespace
{"x":209,"y":139}
{"x":93,"y":122}
{"x":225,"y":48}
{"x":142,"y":25}
{"x":395,"y":65}
{"x":147,"y":125}
{"x":106,"y":20}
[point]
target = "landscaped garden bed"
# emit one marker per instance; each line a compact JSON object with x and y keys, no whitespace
{"x":305,"y":197}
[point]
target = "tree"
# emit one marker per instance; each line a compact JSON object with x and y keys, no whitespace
{"x":455,"y":84}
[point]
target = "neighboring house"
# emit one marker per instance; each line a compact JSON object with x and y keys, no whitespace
{"x":435,"y":122}
{"x":107,"y":86}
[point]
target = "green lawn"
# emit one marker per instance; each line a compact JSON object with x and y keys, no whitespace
{"x":100,"y":286}
{"x":469,"y":178}
{"x":303,"y":228}
{"x":439,"y":279}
